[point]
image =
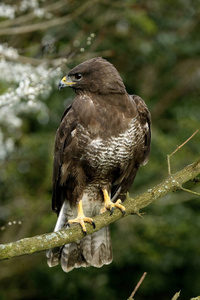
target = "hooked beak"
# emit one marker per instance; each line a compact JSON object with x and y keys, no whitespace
{"x":66,"y":82}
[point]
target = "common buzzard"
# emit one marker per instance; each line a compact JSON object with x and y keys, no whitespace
{"x":103,"y":138}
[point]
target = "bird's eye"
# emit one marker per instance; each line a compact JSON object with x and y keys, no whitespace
{"x":78,"y":76}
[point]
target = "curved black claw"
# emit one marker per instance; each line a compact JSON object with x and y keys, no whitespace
{"x":123,"y":213}
{"x":111,"y":211}
{"x":93,"y":224}
{"x":84,"y":232}
{"x":67,"y":225}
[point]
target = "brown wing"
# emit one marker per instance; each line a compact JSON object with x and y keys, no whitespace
{"x":64,"y":142}
{"x":145,"y":121}
{"x":141,"y":154}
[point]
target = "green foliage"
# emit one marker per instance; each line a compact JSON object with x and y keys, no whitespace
{"x":155,"y":46}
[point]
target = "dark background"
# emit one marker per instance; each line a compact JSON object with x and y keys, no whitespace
{"x":155,"y":46}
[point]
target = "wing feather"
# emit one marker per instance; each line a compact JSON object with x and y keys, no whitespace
{"x":145,"y":121}
{"x":64,"y":141}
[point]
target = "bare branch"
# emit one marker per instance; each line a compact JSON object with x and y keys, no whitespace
{"x":47,"y":24}
{"x":28,"y":17}
{"x":137,"y":286}
{"x":178,"y":148}
{"x":189,"y":191}
{"x":132,"y":205}
{"x":176,"y":296}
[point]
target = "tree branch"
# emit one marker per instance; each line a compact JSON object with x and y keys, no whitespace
{"x":176,"y":296}
{"x":132,"y":205}
{"x":29,"y":17}
{"x":178,"y":148}
{"x":137,"y":286}
{"x":43,"y":25}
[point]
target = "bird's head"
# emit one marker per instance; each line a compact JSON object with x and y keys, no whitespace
{"x":95,"y":75}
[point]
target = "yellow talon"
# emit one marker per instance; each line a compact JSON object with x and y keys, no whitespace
{"x":109,"y":205}
{"x":81,"y":218}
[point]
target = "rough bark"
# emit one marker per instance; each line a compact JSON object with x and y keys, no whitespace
{"x":133,"y":206}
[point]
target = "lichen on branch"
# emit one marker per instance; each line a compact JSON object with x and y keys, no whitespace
{"x":133,"y":206}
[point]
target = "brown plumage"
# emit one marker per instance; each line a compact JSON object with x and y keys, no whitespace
{"x":103,"y":138}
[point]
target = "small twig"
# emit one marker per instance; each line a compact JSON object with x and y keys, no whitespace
{"x":176,"y":296}
{"x":178,"y":148}
{"x":189,"y":191}
{"x":137,"y":286}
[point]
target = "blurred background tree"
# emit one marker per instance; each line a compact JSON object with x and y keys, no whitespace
{"x":155,"y":46}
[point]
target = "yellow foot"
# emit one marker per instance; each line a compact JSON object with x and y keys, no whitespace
{"x":81,"y":219}
{"x":109,"y":205}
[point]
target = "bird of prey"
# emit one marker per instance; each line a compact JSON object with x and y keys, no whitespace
{"x":103,"y":138}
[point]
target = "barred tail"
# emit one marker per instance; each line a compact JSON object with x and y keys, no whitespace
{"x":93,"y":250}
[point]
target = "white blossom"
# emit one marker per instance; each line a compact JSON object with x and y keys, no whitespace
{"x":39,"y":12}
{"x":26,"y":4}
{"x":7,"y":11}
{"x":25,"y":84}
{"x":8,"y":52}
{"x":7,"y":146}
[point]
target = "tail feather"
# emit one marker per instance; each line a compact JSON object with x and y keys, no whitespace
{"x":93,"y":250}
{"x":53,"y":256}
{"x":101,"y":252}
{"x":71,"y":257}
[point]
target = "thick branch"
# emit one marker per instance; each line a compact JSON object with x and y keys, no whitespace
{"x":133,"y":206}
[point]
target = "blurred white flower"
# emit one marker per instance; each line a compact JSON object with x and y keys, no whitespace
{"x":24,"y":84}
{"x":7,"y":11}
{"x":39,"y":12}
{"x":26,"y":4}
{"x":8,"y":52}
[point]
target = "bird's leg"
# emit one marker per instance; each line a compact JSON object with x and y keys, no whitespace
{"x":109,"y":205}
{"x":81,"y":218}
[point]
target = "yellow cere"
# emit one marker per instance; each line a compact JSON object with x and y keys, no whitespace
{"x":64,"y":80}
